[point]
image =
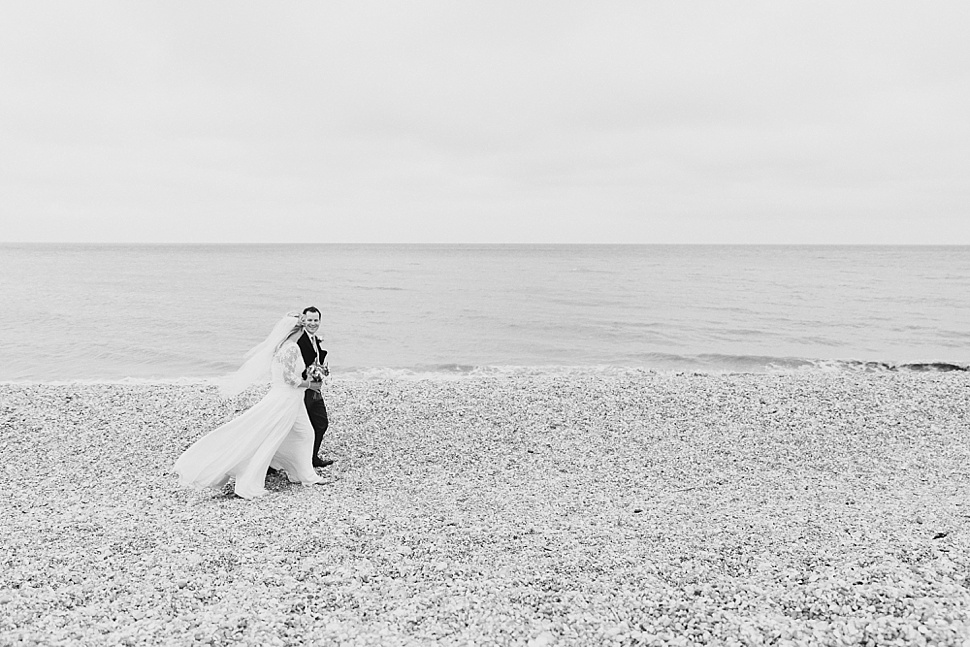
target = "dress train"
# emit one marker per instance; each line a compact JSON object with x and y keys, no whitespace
{"x":275,"y":432}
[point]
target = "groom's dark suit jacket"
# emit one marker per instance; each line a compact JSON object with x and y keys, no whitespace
{"x":309,"y":356}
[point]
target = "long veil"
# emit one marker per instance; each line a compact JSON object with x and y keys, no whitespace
{"x":256,"y":368}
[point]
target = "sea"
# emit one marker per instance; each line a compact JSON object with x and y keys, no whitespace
{"x":127,"y":312}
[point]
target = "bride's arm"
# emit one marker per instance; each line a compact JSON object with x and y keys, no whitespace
{"x":293,"y":367}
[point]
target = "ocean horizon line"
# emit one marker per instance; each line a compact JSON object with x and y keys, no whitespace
{"x":467,"y":244}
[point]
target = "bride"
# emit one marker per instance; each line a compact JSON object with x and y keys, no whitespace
{"x":275,"y":432}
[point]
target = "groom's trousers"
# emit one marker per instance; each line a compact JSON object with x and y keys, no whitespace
{"x":317,"y":411}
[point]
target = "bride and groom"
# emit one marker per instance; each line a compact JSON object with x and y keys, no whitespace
{"x":283,"y":431}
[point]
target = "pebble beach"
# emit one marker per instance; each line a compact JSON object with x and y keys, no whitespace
{"x":576,"y":508}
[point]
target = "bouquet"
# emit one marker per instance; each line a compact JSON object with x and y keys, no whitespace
{"x":315,"y":373}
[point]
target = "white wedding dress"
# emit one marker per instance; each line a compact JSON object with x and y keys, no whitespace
{"x":275,"y":432}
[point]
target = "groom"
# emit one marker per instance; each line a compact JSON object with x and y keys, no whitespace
{"x":309,"y":345}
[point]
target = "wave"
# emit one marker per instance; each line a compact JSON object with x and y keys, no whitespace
{"x":918,"y":367}
{"x":385,"y":288}
{"x":708,"y":363}
{"x":660,"y":363}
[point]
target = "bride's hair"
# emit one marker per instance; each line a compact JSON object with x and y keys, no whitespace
{"x":297,"y":328}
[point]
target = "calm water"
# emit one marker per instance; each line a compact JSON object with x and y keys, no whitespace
{"x":118,"y":311}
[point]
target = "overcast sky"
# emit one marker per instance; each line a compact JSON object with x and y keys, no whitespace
{"x":523,"y":121}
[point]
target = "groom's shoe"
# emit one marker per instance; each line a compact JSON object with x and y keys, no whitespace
{"x":322,"y":462}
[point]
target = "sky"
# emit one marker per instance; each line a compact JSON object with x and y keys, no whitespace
{"x":780,"y":122}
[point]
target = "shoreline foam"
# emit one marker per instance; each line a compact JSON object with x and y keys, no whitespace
{"x":459,"y":371}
